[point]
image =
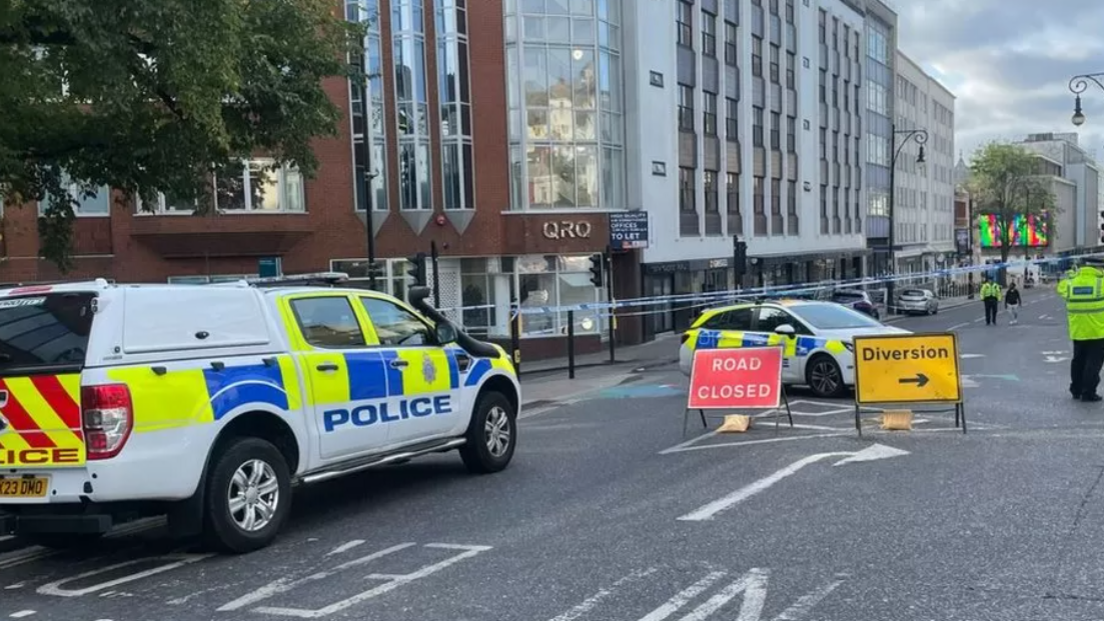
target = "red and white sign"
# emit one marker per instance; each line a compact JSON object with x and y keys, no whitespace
{"x":748,"y":377}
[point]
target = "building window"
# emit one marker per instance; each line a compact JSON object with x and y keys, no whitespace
{"x":774,"y":77}
{"x":789,"y":11}
{"x":776,"y":131}
{"x":735,"y":218}
{"x":710,"y":185}
{"x":823,"y":28}
{"x":709,"y":33}
{"x":262,"y":187}
{"x":372,"y":159}
{"x":757,"y":126}
{"x":756,"y":57}
{"x":686,"y":108}
{"x":687,"y":200}
{"x":791,"y":206}
{"x":94,"y":205}
{"x":412,"y":101}
{"x":565,"y":106}
{"x":823,"y":86}
{"x":823,"y":209}
{"x":823,"y":143}
{"x":791,"y":134}
{"x":454,"y":93}
{"x":543,"y":280}
{"x":758,"y":206}
{"x":846,"y":41}
{"x":685,"y":17}
{"x":730,"y":43}
{"x":709,"y":116}
{"x":790,"y":60}
{"x":732,"y":125}
{"x":774,"y":7}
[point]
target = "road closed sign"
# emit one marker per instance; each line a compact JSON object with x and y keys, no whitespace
{"x":907,"y":368}
{"x":729,"y":379}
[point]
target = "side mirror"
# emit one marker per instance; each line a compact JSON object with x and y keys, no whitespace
{"x":785,"y":330}
{"x":446,"y":333}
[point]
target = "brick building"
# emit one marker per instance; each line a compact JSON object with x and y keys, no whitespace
{"x":439,"y":150}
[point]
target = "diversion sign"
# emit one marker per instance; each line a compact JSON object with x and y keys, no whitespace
{"x":907,"y":368}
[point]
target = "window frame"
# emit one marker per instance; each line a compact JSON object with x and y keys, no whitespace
{"x":300,"y":332}
{"x":247,"y":184}
{"x":709,"y":33}
{"x":685,"y":36}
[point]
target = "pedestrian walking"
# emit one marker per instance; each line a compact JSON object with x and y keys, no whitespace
{"x":990,"y":296}
{"x":1012,"y":303}
{"x":1084,"y":296}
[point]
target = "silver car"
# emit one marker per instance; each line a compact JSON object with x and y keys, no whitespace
{"x":918,"y":301}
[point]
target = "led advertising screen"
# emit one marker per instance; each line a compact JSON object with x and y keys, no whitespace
{"x":1030,"y":231}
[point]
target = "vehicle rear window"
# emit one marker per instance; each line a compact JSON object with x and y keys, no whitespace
{"x":833,"y":317}
{"x":47,"y":331}
{"x":913,"y":293}
{"x":848,"y":295}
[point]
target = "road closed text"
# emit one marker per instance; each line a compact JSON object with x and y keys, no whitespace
{"x":748,"y":377}
{"x":736,"y":391}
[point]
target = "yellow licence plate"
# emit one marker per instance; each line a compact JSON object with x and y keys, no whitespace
{"x":24,"y":487}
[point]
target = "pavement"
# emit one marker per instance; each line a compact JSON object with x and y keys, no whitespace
{"x":610,"y":513}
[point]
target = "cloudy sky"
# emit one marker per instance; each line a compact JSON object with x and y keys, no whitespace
{"x":1009,"y":63}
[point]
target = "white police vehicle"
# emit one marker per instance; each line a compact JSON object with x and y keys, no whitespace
{"x":208,"y":403}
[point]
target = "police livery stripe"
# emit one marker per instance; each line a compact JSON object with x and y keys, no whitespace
{"x":42,"y":412}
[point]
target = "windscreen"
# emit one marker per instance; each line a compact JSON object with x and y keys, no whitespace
{"x":44,"y":333}
{"x":833,"y":317}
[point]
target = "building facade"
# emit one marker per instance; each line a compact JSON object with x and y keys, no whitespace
{"x":924,"y":193}
{"x":765,"y":145}
{"x":879,"y":78}
{"x":444,"y":121}
{"x":1082,"y":224}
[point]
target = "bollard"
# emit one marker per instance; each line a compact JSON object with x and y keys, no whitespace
{"x":515,"y":338}
{"x":570,"y":344}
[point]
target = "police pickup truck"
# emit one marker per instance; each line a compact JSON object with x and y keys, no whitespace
{"x":208,"y":404}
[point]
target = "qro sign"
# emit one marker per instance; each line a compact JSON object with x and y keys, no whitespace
{"x":567,"y":230}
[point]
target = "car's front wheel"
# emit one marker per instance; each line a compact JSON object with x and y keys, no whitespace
{"x":491,"y":436}
{"x":824,"y":377}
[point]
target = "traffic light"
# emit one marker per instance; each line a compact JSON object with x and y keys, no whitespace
{"x":596,"y":261}
{"x":739,"y":258}
{"x":417,"y":269}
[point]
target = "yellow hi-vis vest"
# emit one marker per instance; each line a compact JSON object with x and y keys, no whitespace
{"x":990,"y":290}
{"x":1084,"y":297}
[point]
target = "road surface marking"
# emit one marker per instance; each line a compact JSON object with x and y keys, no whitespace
{"x":971,"y":356}
{"x":677,"y":449}
{"x":753,"y":585}
{"x":591,"y":602}
{"x":178,"y":560}
{"x":21,"y":614}
{"x":34,"y":553}
{"x":683,"y":597}
{"x":689,"y":442}
{"x":393,"y":581}
{"x":708,"y":511}
{"x":958,"y":325}
{"x":345,"y":547}
{"x":804,"y":605}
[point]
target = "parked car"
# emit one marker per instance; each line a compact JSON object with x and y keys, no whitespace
{"x":856,"y":300}
{"x":816,"y":336}
{"x":921,"y":301}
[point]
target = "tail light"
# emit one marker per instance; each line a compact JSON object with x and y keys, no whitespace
{"x":108,"y":418}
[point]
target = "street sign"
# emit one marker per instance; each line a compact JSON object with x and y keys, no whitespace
{"x":628,"y":230}
{"x":270,"y":267}
{"x":748,"y":377}
{"x":907,"y":368}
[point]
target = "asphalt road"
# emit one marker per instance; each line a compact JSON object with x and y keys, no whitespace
{"x":609,"y":513}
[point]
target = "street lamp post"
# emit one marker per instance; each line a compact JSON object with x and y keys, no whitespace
{"x":1079,"y":84}
{"x":919,"y":136}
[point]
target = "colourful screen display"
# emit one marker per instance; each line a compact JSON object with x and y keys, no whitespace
{"x":1028,"y":231}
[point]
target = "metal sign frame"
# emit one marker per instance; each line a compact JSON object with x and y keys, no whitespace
{"x":959,"y":402}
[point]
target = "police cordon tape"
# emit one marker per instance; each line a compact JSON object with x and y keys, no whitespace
{"x":753,"y":293}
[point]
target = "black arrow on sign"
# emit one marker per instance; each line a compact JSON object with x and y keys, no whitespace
{"x":920,"y":380}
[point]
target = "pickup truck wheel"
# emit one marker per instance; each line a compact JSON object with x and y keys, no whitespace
{"x":491,"y":435}
{"x":248,"y":496}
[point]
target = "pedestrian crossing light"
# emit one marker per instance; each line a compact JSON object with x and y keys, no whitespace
{"x":417,"y":269}
{"x":596,"y":261}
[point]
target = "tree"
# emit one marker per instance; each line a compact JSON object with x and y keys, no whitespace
{"x":1005,"y":181}
{"x":156,"y":96}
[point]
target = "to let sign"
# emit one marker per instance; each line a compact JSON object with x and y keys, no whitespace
{"x":907,"y":368}
{"x":628,"y":230}
{"x":748,"y":377}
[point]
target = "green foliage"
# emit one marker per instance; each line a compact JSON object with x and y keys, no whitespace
{"x":1005,"y":181}
{"x":155,"y":95}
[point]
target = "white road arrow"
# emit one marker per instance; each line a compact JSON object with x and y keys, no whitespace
{"x":707,"y":512}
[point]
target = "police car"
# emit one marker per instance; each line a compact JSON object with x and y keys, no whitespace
{"x":816,"y":338}
{"x":209,"y":403}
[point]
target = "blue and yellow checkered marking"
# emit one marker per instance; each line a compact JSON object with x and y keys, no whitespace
{"x":799,"y":347}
